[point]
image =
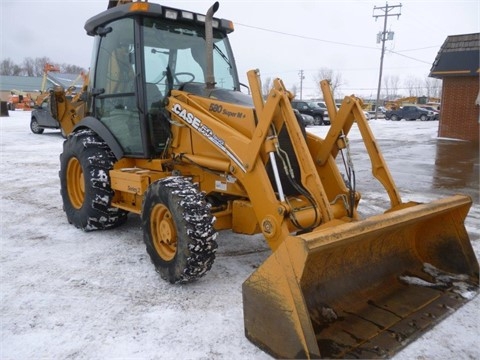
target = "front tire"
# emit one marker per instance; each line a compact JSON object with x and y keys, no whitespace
{"x":178,"y":230}
{"x":318,"y":120}
{"x":35,"y":127}
{"x":85,"y":183}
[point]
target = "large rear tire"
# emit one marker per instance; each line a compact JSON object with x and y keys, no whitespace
{"x":85,"y":182}
{"x":178,"y":230}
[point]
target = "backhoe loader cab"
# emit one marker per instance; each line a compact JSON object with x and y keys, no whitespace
{"x":143,"y":52}
{"x":169,"y":136}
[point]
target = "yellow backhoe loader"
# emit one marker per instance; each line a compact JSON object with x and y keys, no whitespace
{"x":168,"y":135}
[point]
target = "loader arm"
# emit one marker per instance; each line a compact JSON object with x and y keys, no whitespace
{"x":342,"y":121}
{"x":277,"y":110}
{"x":248,"y":155}
{"x":240,"y":152}
{"x":68,"y":112}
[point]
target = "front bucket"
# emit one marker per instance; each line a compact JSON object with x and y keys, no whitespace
{"x":363,"y":289}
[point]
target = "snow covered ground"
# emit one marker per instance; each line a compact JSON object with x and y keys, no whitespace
{"x":67,"y":294}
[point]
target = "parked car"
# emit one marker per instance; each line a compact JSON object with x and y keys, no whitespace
{"x":382,"y":109}
{"x":380,"y":112}
{"x":367,"y":114}
{"x":409,"y":112}
{"x":436,"y":112}
{"x":42,"y":119}
{"x":311,"y":108}
{"x":307,"y":120}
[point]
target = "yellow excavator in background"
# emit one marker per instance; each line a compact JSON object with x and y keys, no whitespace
{"x":67,"y":106}
{"x":167,"y":134}
{"x":423,"y":100}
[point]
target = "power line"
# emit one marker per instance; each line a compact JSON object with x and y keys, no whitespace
{"x":422,"y":48}
{"x":409,"y":57}
{"x":343,"y":43}
{"x":307,"y":37}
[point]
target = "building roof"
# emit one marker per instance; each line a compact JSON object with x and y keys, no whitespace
{"x":34,"y":83}
{"x":458,"y":56}
{"x":20,"y":83}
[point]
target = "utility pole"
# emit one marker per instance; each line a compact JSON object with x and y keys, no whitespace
{"x":383,"y":11}
{"x":300,"y":73}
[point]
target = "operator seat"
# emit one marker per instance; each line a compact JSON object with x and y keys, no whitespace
{"x":159,"y":124}
{"x":154,"y":97}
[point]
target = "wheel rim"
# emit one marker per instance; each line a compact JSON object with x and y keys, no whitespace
{"x":75,"y":183}
{"x":34,"y":126}
{"x":164,"y":234}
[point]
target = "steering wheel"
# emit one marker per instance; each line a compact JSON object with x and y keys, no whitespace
{"x":176,"y":75}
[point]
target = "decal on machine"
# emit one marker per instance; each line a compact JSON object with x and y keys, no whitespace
{"x":217,"y":108}
{"x":197,"y":124}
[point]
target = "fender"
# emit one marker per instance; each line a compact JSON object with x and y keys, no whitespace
{"x":96,"y":125}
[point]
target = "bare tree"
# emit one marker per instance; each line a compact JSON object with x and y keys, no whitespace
{"x":294,"y":90}
{"x":34,"y":67}
{"x":391,"y":84}
{"x":386,"y":87}
{"x":29,"y":66}
{"x":413,"y":85}
{"x":8,"y":67}
{"x":433,"y":87}
{"x":40,"y":65}
{"x":266,"y":86}
{"x":334,"y":78}
{"x":71,"y":69}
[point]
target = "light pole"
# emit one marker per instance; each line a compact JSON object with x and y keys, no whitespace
{"x":300,"y":73}
{"x":385,"y":13}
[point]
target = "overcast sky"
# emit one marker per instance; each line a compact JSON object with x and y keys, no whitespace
{"x":278,"y":37}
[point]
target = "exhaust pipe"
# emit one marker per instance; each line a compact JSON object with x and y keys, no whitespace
{"x":210,"y":77}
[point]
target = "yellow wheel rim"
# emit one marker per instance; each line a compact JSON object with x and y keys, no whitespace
{"x":164,"y":234}
{"x":75,"y":183}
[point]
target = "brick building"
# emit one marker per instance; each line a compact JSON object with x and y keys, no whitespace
{"x":458,"y":65}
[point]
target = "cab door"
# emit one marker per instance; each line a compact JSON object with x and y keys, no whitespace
{"x":116,"y":104}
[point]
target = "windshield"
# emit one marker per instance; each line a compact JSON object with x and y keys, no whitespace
{"x":175,"y":53}
{"x":313,"y":105}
